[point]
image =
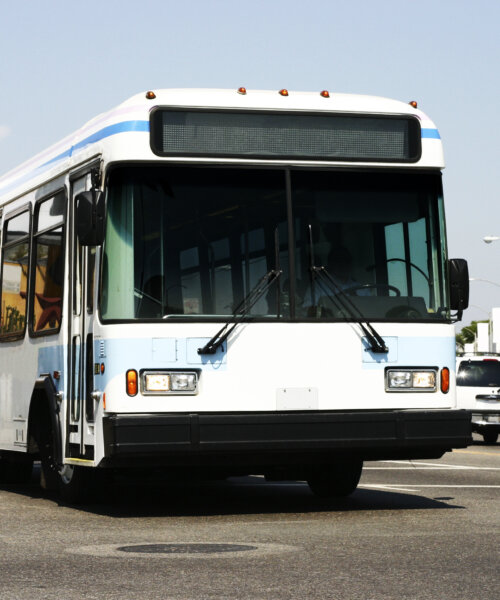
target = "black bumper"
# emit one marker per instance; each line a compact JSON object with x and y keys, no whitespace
{"x":282,"y":438}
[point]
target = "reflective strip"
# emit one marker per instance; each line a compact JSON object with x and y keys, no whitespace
{"x":123,"y":127}
{"x":431,"y":133}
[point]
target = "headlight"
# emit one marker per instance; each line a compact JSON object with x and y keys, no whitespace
{"x":157,"y":382}
{"x":183,"y":382}
{"x":170,"y":382}
{"x":423,"y":380}
{"x":399,"y":379}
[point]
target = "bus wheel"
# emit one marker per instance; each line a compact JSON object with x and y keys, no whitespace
{"x":15,"y":468}
{"x":336,"y":480}
{"x":48,"y":472}
{"x":76,"y":484}
{"x":490,"y":437}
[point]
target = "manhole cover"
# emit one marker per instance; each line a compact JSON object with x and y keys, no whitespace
{"x":186,"y":548}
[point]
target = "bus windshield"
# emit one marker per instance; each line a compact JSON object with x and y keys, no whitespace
{"x":191,"y":243}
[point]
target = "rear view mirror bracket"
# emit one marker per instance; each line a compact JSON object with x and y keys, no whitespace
{"x":459,"y":285}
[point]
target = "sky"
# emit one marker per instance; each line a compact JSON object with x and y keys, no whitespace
{"x":64,"y":62}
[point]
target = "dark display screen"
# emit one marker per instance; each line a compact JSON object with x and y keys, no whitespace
{"x":330,"y":136}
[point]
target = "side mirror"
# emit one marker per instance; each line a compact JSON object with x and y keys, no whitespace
{"x":90,"y":213}
{"x":459,"y":284}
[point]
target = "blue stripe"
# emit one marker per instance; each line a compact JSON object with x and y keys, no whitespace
{"x":123,"y":127}
{"x":431,"y":133}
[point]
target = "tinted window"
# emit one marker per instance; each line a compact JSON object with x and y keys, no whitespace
{"x":15,"y":266}
{"x":479,"y":373}
{"x":49,"y":266}
{"x":193,"y":242}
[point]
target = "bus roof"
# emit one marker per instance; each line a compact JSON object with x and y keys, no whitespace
{"x":105,"y":134}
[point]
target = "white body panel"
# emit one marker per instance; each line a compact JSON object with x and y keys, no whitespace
{"x":264,"y":359}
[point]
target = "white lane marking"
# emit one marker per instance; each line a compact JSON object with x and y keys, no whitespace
{"x":433,"y":466}
{"x":425,"y":485}
{"x":444,"y":468}
{"x":381,"y":486}
{"x":413,"y":488}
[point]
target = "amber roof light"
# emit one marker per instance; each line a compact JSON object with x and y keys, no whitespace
{"x":150,"y":95}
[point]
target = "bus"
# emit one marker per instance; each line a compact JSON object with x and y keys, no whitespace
{"x":229,"y":282}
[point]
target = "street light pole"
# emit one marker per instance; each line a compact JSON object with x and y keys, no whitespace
{"x":485,"y":280}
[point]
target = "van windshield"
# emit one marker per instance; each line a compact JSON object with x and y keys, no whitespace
{"x":479,"y":373}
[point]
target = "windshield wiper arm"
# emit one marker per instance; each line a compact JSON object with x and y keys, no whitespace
{"x":325,"y":280}
{"x":241,"y":311}
{"x":376,"y":342}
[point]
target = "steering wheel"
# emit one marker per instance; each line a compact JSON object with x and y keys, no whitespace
{"x":406,"y":262}
{"x":376,"y":286}
{"x":404,"y":312}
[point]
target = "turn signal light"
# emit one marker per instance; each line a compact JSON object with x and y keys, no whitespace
{"x":132,"y":382}
{"x":445,"y":380}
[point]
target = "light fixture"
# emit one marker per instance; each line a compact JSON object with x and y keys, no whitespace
{"x":410,"y":380}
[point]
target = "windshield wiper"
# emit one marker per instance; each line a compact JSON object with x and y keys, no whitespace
{"x":325,"y":280}
{"x":241,"y":311}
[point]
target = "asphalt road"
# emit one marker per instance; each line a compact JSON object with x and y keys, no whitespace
{"x":425,"y":529}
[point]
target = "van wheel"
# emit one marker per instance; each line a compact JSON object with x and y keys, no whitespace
{"x":15,"y":467}
{"x":490,"y":437}
{"x":336,"y":480}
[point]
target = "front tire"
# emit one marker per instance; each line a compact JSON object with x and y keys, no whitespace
{"x":77,"y":485}
{"x":336,"y":480}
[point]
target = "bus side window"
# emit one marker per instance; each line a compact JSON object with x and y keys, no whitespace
{"x":15,"y":265}
{"x":48,"y":253}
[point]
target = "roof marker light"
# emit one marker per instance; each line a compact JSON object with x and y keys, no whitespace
{"x":325,"y":94}
{"x":413,"y":103}
{"x":284,"y":92}
{"x":242,"y":90}
{"x":150,"y":95}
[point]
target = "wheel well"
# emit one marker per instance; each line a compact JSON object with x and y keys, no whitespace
{"x":38,"y":419}
{"x":43,"y":418}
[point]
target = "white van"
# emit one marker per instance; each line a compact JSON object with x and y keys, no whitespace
{"x":478,"y":390}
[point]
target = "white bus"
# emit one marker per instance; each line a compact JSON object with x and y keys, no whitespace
{"x":229,"y":282}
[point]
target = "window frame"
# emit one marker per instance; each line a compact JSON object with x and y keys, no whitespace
{"x":34,"y":237}
{"x":288,"y":171}
{"x":19,"y":335}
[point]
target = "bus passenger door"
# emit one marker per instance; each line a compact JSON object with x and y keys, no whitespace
{"x":80,"y":409}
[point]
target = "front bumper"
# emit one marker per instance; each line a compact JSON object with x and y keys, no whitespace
{"x":254,"y":439}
